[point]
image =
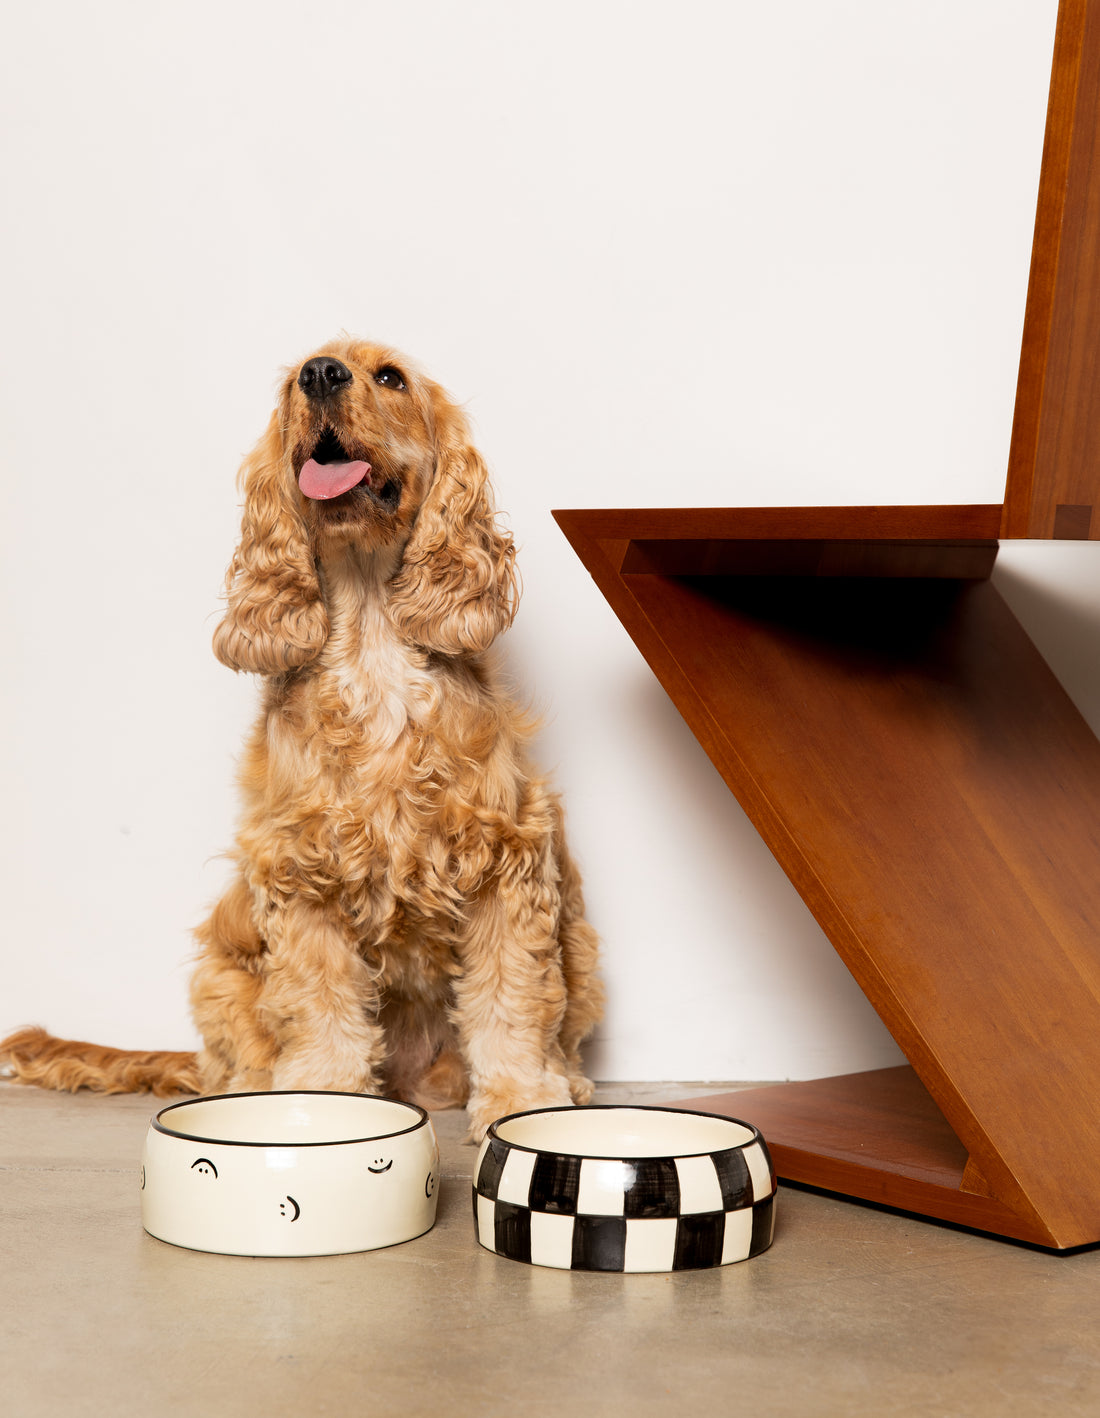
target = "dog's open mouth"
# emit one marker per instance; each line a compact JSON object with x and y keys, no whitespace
{"x":331,"y":470}
{"x":333,"y":475}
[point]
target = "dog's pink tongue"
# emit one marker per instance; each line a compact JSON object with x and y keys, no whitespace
{"x":324,"y":480}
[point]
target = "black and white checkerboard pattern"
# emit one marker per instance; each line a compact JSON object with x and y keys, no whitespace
{"x":645,"y":1214}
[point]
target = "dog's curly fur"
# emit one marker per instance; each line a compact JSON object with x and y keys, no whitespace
{"x":404,"y":915}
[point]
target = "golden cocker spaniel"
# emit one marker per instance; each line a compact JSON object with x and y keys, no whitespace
{"x":404,"y":916}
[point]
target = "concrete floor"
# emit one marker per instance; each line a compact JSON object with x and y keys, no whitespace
{"x":853,"y":1311}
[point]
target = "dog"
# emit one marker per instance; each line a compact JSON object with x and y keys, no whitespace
{"x":404,"y":916}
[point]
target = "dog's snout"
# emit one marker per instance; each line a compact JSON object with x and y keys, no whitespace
{"x":322,"y":376}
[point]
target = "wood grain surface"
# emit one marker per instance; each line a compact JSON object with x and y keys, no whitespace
{"x":934,"y":795}
{"x":1055,"y":451}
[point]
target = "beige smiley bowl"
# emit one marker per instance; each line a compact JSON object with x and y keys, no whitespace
{"x":289,"y":1174}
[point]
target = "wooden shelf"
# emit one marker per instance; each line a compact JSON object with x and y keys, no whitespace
{"x":933,"y":794}
{"x":877,"y":1136}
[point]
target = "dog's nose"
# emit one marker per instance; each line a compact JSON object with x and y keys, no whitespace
{"x":320,"y":377}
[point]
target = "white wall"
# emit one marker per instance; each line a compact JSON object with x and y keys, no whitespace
{"x":717,"y":253}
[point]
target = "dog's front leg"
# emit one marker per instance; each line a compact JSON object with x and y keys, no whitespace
{"x":321,"y":1001}
{"x":509,"y":1004}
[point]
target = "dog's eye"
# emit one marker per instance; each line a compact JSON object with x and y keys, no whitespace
{"x":389,"y":377}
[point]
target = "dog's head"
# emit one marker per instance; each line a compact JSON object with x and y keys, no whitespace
{"x":364,"y":451}
{"x":362,"y":433}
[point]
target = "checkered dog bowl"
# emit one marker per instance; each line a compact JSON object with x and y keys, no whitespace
{"x":624,"y":1189}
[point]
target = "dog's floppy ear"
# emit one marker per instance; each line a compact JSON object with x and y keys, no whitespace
{"x":276,"y":619}
{"x":457,"y":587}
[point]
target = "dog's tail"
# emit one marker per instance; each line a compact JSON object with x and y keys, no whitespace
{"x":33,"y":1056}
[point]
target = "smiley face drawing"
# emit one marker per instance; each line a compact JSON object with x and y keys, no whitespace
{"x":379,"y":1166}
{"x":294,"y":1204}
{"x":204,"y":1166}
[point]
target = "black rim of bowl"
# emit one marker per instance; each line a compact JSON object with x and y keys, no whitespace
{"x":168,"y":1131}
{"x":566,"y":1110}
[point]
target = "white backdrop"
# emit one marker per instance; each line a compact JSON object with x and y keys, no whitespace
{"x":717,"y":253}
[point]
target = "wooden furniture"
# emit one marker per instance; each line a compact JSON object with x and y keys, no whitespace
{"x":916,"y":768}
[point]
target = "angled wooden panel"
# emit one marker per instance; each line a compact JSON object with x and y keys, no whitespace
{"x":818,"y":1133}
{"x":1054,"y":462}
{"x":933,"y":794}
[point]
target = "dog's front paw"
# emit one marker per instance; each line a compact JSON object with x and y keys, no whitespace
{"x":497,"y":1100}
{"x":312,"y":1075}
{"x":247,"y":1080}
{"x":581,"y":1089}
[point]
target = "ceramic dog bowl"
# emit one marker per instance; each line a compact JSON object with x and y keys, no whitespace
{"x":627,"y":1189}
{"x":289,"y":1174}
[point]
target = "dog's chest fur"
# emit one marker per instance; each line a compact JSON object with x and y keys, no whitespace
{"x":392,"y":775}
